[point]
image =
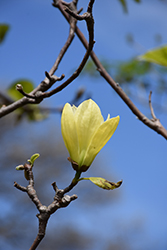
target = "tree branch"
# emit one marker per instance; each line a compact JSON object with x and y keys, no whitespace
{"x":88,"y":17}
{"x":34,"y":97}
{"x":39,"y":93}
{"x":156,"y":126}
{"x":60,"y":201}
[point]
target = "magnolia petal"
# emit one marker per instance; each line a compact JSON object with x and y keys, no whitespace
{"x":100,"y":138}
{"x":88,"y":119}
{"x":69,"y":132}
{"x":74,"y":108}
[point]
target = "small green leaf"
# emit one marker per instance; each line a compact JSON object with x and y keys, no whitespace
{"x":33,"y":158}
{"x":103,"y":183}
{"x":3,"y":31}
{"x":158,"y":56}
{"x":27,"y":85}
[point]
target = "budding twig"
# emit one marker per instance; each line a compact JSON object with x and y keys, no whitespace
{"x":60,"y":201}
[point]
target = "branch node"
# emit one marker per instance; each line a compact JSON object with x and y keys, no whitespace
{"x":43,"y":209}
{"x":52,"y":78}
{"x":65,"y":201}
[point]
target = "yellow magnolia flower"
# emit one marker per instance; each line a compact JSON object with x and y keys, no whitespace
{"x":85,"y":132}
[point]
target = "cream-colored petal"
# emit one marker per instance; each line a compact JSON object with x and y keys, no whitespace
{"x":88,"y":118}
{"x":100,"y":138}
{"x":74,"y":108}
{"x":69,"y":132}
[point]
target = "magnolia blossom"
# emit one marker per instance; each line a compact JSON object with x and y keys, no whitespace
{"x":85,"y":132}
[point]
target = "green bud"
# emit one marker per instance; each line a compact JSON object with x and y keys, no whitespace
{"x":20,"y":167}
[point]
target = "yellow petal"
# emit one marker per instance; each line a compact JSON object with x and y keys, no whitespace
{"x":88,"y":119}
{"x":100,"y":138}
{"x":74,"y":108}
{"x":69,"y":132}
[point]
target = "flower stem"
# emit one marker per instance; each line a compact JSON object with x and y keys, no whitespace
{"x":76,"y":178}
{"x":74,"y":182}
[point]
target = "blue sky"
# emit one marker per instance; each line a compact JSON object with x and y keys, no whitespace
{"x":135,"y":153}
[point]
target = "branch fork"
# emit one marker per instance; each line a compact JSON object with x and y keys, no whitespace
{"x":60,"y":201}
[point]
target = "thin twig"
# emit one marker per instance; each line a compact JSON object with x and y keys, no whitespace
{"x":88,"y":17}
{"x":19,"y":88}
{"x":72,"y":21}
{"x":21,"y":188}
{"x":151,"y":107}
